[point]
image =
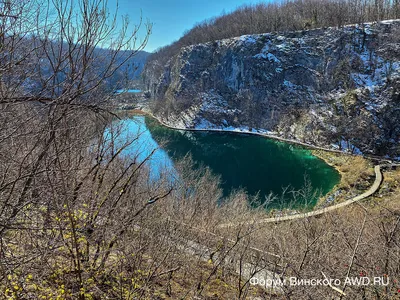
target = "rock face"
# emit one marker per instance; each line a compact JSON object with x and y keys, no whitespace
{"x":335,"y":87}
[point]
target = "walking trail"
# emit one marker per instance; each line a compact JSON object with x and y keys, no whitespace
{"x":374,"y":187}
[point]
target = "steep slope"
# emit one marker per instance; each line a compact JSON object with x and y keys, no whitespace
{"x":130,"y":70}
{"x":130,"y":67}
{"x":331,"y":87}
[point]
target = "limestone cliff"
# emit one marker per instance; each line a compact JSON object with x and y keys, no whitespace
{"x":329,"y":87}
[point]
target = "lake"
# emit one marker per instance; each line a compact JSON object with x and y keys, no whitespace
{"x":256,"y":164}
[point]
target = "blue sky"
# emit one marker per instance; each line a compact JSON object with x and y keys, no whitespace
{"x":171,"y":18}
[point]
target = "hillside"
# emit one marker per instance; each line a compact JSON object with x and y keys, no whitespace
{"x":281,"y":16}
{"x":130,"y":70}
{"x":128,"y":66}
{"x":335,"y":87}
{"x":82,"y":216}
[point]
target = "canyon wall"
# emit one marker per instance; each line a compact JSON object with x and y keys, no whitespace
{"x":335,"y":87}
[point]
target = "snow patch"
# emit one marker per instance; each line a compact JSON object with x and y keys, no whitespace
{"x":273,"y":58}
{"x":204,"y":124}
{"x":347,"y":146}
{"x":247,"y":39}
{"x":269,"y":56}
{"x":289,"y":85}
{"x":377,"y":71}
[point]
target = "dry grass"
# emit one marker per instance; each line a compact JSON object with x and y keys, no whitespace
{"x":355,"y":170}
{"x":357,"y":174}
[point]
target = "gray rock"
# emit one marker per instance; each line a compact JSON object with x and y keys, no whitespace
{"x":324,"y":86}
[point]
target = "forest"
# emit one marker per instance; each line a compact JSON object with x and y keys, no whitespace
{"x":79,"y":220}
{"x":282,"y":16}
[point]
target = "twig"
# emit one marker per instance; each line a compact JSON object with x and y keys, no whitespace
{"x":354,"y":253}
{"x":166,"y":272}
{"x":333,"y":287}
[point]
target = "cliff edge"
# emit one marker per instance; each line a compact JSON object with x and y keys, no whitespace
{"x":335,"y":87}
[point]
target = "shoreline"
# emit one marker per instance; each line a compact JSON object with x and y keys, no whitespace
{"x":336,"y":161}
{"x":312,"y":148}
{"x":319,"y":211}
{"x":262,"y":134}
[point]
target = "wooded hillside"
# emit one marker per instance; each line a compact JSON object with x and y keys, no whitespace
{"x":288,"y":15}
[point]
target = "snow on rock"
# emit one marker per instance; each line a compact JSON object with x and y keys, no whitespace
{"x":347,"y":146}
{"x":289,"y":85}
{"x":303,"y":84}
{"x":213,"y":102}
{"x":265,"y":54}
{"x":247,"y":39}
{"x":204,"y":124}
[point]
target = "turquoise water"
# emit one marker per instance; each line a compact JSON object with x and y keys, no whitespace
{"x":253,"y":163}
{"x":122,"y":91}
{"x":140,"y":144}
